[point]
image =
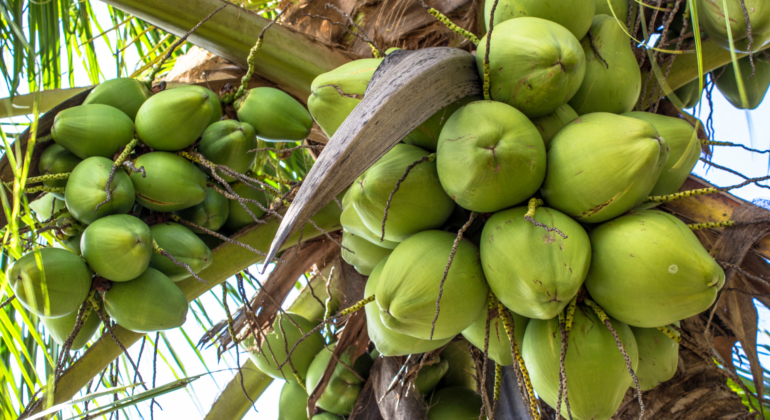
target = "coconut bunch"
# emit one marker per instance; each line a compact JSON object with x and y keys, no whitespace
{"x":140,"y":187}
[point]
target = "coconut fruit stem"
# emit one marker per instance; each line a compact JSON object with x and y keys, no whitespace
{"x":509,"y":326}
{"x":670,"y":334}
{"x":44,"y":189}
{"x":562,"y":357}
{"x":158,"y":250}
{"x":42,"y":178}
{"x":534,"y":203}
{"x":119,"y":162}
{"x":449,"y":24}
{"x":430,"y":158}
{"x":711,"y":225}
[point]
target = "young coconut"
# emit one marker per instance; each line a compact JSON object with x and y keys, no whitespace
{"x":756,"y":87}
{"x":689,"y":94}
{"x":365,"y":255}
{"x":490,"y":157}
{"x":430,"y":375}
{"x":171,"y":183}
{"x":619,"y":7}
{"x":351,"y":222}
{"x":711,"y":16}
{"x":238,"y":218}
{"x":409,"y":286}
{"x":658,"y":357}
{"x":601,"y":165}
{"x":173,"y":119}
{"x":454,"y":403}
{"x":62,"y":327}
{"x":613,"y":80}
{"x":92,"y":130}
{"x":344,"y":386}
{"x":71,"y":243}
{"x":117,"y":247}
{"x":216,"y":104}
{"x":597,"y":374}
{"x":87,"y":189}
{"x":55,"y":159}
{"x":538,"y":65}
{"x":549,"y":125}
{"x":575,"y":15}
{"x":184,"y":246}
{"x":56,"y":290}
{"x":462,"y":368}
{"x":499,"y":344}
{"x":290,"y":405}
{"x":210,"y":214}
{"x":274,"y":114}
{"x":123,"y":93}
{"x":649,"y":269}
{"x":150,"y":302}
{"x":426,"y":135}
{"x":229,"y":143}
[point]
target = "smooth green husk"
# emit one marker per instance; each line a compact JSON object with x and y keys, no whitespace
{"x":55,"y":159}
{"x":290,"y":403}
{"x":689,"y":94}
{"x":419,"y":204}
{"x":462,"y":368}
{"x":430,"y":375}
{"x":61,"y":328}
{"x":184,"y":246}
{"x":620,"y":7}
{"x":230,"y":143}
{"x":547,"y":271}
{"x":117,"y":247}
{"x":683,"y":145}
{"x":274,"y":347}
{"x":173,"y":119}
{"x":237,"y":217}
{"x":538,"y":65}
{"x":216,"y":104}
{"x":549,"y":125}
{"x":123,"y":93}
{"x":72,"y":243}
{"x":341,"y":393}
{"x":210,"y":214}
{"x":365,"y":255}
{"x":86,"y":189}
{"x":755,"y":87}
{"x":490,"y":157}
{"x":575,"y":15}
{"x":597,"y":377}
{"x":150,"y":302}
{"x":454,"y":403}
{"x":274,"y":114}
{"x":172,"y":182}
{"x":601,"y":165}
{"x":649,"y":269}
{"x":612,"y":87}
{"x":54,"y":286}
{"x":389,"y":342}
{"x":409,"y":286}
{"x":426,"y":135}
{"x":351,"y":222}
{"x":658,"y":357}
{"x":499,"y":344}
{"x":712,"y":21}
{"x":92,"y":130}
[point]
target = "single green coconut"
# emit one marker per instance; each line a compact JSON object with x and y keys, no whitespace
{"x":499,"y":344}
{"x":426,"y":135}
{"x":290,"y":403}
{"x":92,"y":130}
{"x":55,"y":159}
{"x":658,"y":357}
{"x":173,"y":119}
{"x":123,"y":93}
{"x":613,"y":81}
{"x":409,"y":286}
{"x":454,"y":403}
{"x":549,"y":125}
{"x":344,"y":386}
{"x":50,"y":282}
{"x":275,"y":348}
{"x":171,"y":183}
{"x":216,"y":104}
{"x":648,"y":269}
{"x":430,"y":375}
{"x":389,"y":342}
{"x":755,"y":87}
{"x":490,"y":157}
{"x":229,"y":143}
{"x":601,"y":165}
{"x":538,"y":65}
{"x":87,"y":188}
{"x":419,"y":204}
{"x":238,"y":218}
{"x":597,"y":376}
{"x":683,"y":145}
{"x":71,"y":243}
{"x":711,"y":15}
{"x":462,"y":368}
{"x":45,"y":206}
{"x":365,"y":255}
{"x":210,"y":214}
{"x":117,"y":247}
{"x":689,"y":94}
{"x":575,"y":15}
{"x":62,"y":327}
{"x":150,"y":302}
{"x":274,"y":114}
{"x":183,"y":245}
{"x":351,"y":222}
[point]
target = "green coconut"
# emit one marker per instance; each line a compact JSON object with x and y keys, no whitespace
{"x":150,"y":302}
{"x":238,"y":218}
{"x":689,"y":94}
{"x":683,"y":145}
{"x":117,"y":247}
{"x":275,"y":348}
{"x":619,"y":7}
{"x":55,"y":159}
{"x":426,"y":135}
{"x":409,"y":286}
{"x":389,"y":342}
{"x":171,"y":183}
{"x":755,"y":87}
{"x":50,"y":282}
{"x":455,"y":403}
{"x":365,"y":255}
{"x":274,"y":114}
{"x":183,"y":245}
{"x":490,"y":157}
{"x":601,"y":165}
{"x":92,"y":130}
{"x":499,"y":344}
{"x":612,"y":87}
{"x":229,"y":143}
{"x":216,"y":104}
{"x":351,"y":222}
{"x":711,"y":16}
{"x":549,"y":125}
{"x":173,"y":119}
{"x":290,"y":403}
{"x":649,"y":269}
{"x":430,"y":375}
{"x":86,"y":189}
{"x":71,"y":243}
{"x":419,"y":204}
{"x":575,"y":15}
{"x":123,"y":93}
{"x":62,"y":327}
{"x":462,"y":368}
{"x":597,"y":376}
{"x":658,"y":357}
{"x":343,"y":388}
{"x":210,"y":214}
{"x":538,"y":65}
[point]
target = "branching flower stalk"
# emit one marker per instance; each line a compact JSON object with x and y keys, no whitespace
{"x":509,"y":325}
